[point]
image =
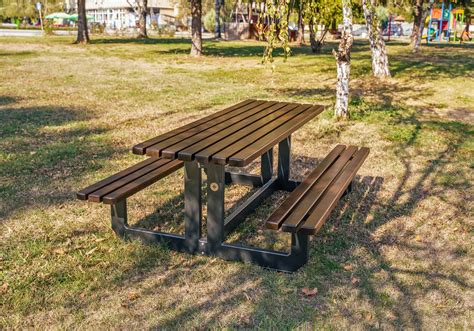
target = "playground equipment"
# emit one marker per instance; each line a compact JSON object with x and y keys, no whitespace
{"x":445,"y":23}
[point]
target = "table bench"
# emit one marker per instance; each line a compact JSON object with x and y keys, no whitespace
{"x":235,"y":136}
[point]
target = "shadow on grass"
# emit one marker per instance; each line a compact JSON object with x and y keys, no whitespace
{"x":43,"y":146}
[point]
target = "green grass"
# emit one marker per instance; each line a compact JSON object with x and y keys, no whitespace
{"x":397,"y":252}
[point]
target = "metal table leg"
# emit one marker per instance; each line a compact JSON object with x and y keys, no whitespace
{"x":192,"y":206}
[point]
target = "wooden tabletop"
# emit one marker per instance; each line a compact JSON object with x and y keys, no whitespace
{"x":236,"y":135}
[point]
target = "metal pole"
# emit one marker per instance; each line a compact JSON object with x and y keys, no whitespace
{"x":215,"y":206}
{"x":192,"y":205}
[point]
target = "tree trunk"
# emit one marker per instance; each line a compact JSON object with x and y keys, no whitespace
{"x":82,"y":31}
{"x":417,"y":20}
{"x":416,"y":38}
{"x":316,"y":45}
{"x":380,"y":67}
{"x":142,"y":33}
{"x":196,"y":34}
{"x":312,"y":36}
{"x":300,"y":24}
{"x":343,"y":62}
{"x":217,"y":8}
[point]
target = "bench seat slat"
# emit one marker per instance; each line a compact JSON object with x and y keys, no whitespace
{"x":84,"y":193}
{"x":310,"y":199}
{"x":142,"y":182}
{"x":330,"y":198}
{"x":97,"y":195}
{"x":275,"y":220}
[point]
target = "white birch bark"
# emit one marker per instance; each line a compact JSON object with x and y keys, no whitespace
{"x":380,"y":67}
{"x":343,"y":62}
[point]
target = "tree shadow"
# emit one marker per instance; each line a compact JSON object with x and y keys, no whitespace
{"x":44,"y":145}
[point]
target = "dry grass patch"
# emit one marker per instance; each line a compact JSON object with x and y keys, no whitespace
{"x":397,"y":253}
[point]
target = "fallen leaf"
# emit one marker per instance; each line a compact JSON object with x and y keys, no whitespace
{"x":309,"y":292}
{"x":4,"y":288}
{"x":355,"y":280}
{"x":348,"y":267}
{"x":418,"y":238}
{"x":368,"y":317}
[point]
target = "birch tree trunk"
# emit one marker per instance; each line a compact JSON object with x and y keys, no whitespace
{"x":196,"y":33}
{"x":82,"y":31}
{"x":380,"y":67}
{"x":142,"y":33}
{"x":343,"y":62}
{"x":417,"y":18}
{"x":217,"y":8}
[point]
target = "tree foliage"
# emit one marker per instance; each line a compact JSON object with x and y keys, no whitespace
{"x":26,"y":8}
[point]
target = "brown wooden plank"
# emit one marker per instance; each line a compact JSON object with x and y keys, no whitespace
{"x":310,"y":199}
{"x":328,"y":201}
{"x":232,"y":133}
{"x":222,"y":156}
{"x":141,"y":148}
{"x":171,"y":152}
{"x":83,"y":194}
{"x":246,"y":155}
{"x":156,"y":150}
{"x":97,"y":195}
{"x":276,"y":219}
{"x":205,"y":155}
{"x":142,"y":182}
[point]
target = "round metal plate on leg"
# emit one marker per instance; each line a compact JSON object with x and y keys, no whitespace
{"x":214,"y":187}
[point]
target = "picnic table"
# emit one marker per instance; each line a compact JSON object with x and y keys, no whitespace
{"x":235,"y":137}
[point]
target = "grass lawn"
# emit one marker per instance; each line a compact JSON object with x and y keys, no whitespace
{"x":397,"y":253}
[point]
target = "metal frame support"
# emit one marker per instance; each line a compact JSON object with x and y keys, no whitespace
{"x":266,"y":165}
{"x":215,"y":205}
{"x":284,"y":149}
{"x":123,"y":230}
{"x":192,"y":205}
{"x":218,"y":227}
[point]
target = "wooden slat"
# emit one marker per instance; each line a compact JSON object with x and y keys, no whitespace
{"x":141,"y":148}
{"x":246,"y":155}
{"x":236,"y":131}
{"x":276,"y":219}
{"x":222,"y":156}
{"x":97,"y":195}
{"x":83,"y":194}
{"x":330,"y":198}
{"x":208,"y":127}
{"x":171,"y":152}
{"x":142,"y":182}
{"x":310,"y":199}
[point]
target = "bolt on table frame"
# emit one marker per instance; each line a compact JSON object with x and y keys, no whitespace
{"x":219,"y":226}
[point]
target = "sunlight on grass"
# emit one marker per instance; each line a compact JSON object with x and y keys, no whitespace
{"x":395,"y":254}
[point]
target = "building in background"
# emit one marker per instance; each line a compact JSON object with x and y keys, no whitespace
{"x":119,"y":14}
